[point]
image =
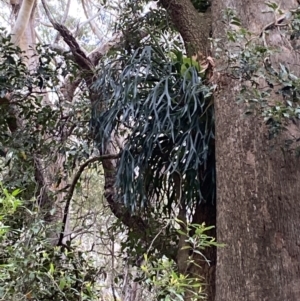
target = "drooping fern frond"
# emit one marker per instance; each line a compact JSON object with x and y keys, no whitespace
{"x":170,"y":121}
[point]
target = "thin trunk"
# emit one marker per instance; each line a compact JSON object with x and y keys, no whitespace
{"x":258,"y":187}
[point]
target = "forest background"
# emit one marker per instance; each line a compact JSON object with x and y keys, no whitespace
{"x":135,"y":133}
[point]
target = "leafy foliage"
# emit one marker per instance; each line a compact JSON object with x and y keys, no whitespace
{"x":160,"y":102}
{"x":168,"y":122}
{"x":38,"y":123}
{"x":162,"y":275}
{"x":141,"y":27}
{"x":30,"y":124}
{"x":31,"y":267}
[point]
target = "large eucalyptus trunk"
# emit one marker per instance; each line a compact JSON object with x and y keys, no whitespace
{"x":258,"y":187}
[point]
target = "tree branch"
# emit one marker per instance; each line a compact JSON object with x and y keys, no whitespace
{"x":73,"y":185}
{"x":63,"y":20}
{"x":90,"y":20}
{"x":80,"y":57}
{"x":193,"y":26}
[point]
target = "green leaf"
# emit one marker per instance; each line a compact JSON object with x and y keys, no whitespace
{"x":62,"y":283}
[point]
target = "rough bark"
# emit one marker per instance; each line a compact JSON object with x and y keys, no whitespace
{"x":258,"y":211}
{"x":193,"y":26}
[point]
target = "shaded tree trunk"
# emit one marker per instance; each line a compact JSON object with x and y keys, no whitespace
{"x":258,"y":210}
{"x":195,"y":29}
{"x":193,"y":26}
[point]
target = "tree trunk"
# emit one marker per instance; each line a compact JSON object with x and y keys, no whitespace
{"x":193,"y":26}
{"x":258,"y":187}
{"x":195,"y":29}
{"x":23,"y":33}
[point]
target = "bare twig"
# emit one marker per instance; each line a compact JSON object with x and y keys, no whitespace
{"x":90,"y":20}
{"x":73,"y":185}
